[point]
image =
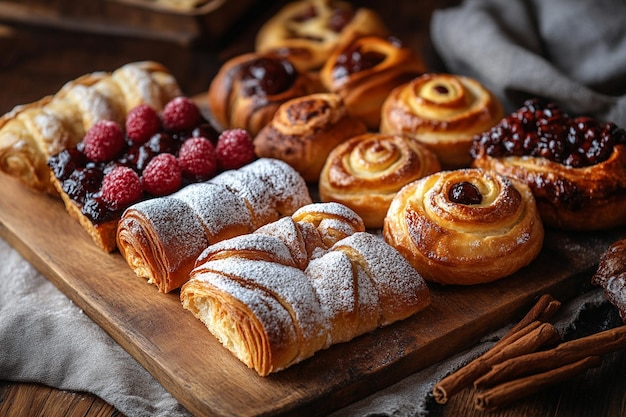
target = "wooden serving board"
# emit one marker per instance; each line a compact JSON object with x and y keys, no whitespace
{"x":189,"y":362}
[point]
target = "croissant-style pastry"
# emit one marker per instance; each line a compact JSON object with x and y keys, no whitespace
{"x":364,"y":71}
{"x":272,"y":310}
{"x":31,"y":133}
{"x":308,"y":31}
{"x":161,"y":238}
{"x":305,"y":129}
{"x":444,"y":112}
{"x":575,"y":166}
{"x":467,"y":226}
{"x":611,"y":276}
{"x":367,"y":171}
{"x":248,"y":89}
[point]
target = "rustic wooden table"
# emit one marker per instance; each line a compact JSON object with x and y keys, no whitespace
{"x":36,"y":61}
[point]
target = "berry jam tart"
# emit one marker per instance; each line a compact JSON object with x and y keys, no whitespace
{"x":152,"y":155}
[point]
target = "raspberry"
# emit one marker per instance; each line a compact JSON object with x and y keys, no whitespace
{"x":180,"y":113}
{"x":121,"y":187}
{"x":197,"y":158}
{"x":142,"y":122}
{"x":103,"y":141}
{"x":234,"y":149}
{"x":162,"y":175}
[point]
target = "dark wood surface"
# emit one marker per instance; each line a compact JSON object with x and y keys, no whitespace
{"x":37,"y":61}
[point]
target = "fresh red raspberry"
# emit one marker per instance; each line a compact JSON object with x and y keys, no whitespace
{"x":162,"y":175}
{"x":234,"y":149}
{"x":121,"y":187}
{"x":180,"y":113}
{"x":103,"y":141}
{"x":142,"y":122}
{"x":197,"y":158}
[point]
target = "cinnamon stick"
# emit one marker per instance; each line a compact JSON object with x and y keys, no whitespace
{"x":566,"y":353}
{"x":508,"y":392}
{"x":466,"y":375}
{"x":542,"y":311}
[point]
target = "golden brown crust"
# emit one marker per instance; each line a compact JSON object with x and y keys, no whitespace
{"x":444,"y":112}
{"x":382,"y":65}
{"x":31,"y":133}
{"x":239,"y":97}
{"x":450,"y":241}
{"x":367,"y":171}
{"x":585,"y":198}
{"x":308,"y":31}
{"x":305,"y":129}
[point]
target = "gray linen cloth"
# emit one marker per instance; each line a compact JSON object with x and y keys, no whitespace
{"x":570,"y":52}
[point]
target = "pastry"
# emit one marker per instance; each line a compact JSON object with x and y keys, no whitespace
{"x":466,"y":226}
{"x":364,"y":71}
{"x":308,"y":31}
{"x":575,"y":166}
{"x":367,"y":171}
{"x":611,"y":276}
{"x":444,"y":112}
{"x":31,"y":133}
{"x":305,"y":129}
{"x":161,"y":238}
{"x":248,"y":89}
{"x":271,"y":310}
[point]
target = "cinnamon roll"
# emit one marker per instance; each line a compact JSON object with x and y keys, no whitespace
{"x":365,"y":172}
{"x":249,"y":88}
{"x":305,"y":129}
{"x":364,"y":71}
{"x":308,"y":31}
{"x":575,"y":166}
{"x":466,"y":226}
{"x":444,"y":112}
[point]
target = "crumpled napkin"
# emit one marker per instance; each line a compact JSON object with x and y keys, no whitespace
{"x":569,"y":52}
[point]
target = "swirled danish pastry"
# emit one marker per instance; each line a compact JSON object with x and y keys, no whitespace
{"x":308,"y":31}
{"x":365,"y":172}
{"x":364,"y":71}
{"x":466,"y":226}
{"x":305,"y":129}
{"x":444,"y":112}
{"x":248,"y":89}
{"x":575,"y":166}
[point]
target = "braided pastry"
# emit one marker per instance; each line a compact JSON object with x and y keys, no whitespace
{"x":444,"y":112}
{"x":367,"y":171}
{"x":308,"y":31}
{"x":364,"y":71}
{"x":305,"y":129}
{"x":611,"y":275}
{"x":161,"y":238}
{"x":467,"y":226}
{"x":249,"y":88}
{"x":31,"y":133}
{"x":299,"y":285}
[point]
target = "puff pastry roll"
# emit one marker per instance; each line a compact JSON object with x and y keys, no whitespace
{"x":161,"y":238}
{"x":308,"y":31}
{"x":443,"y":111}
{"x":467,"y":226}
{"x":31,"y":133}
{"x":272,"y":311}
{"x":248,"y":89}
{"x":611,"y":276}
{"x":305,"y":129}
{"x":364,"y":71}
{"x":575,"y":166}
{"x":367,"y":171}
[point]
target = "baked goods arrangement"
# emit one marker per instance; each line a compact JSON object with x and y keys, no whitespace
{"x":466,"y":226}
{"x":443,"y":111}
{"x":366,"y":171}
{"x":161,"y":238}
{"x":575,"y":166}
{"x":31,"y":133}
{"x":300,"y":285}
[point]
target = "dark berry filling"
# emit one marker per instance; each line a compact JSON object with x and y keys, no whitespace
{"x":465,"y":193}
{"x":267,"y":76}
{"x":354,"y":60}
